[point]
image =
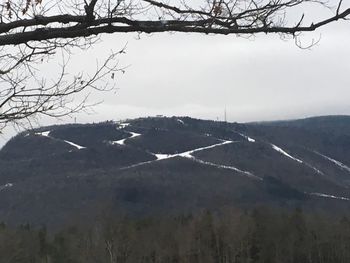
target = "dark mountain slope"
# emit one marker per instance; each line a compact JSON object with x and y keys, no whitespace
{"x":173,"y":165}
{"x":328,"y":135}
{"x":262,"y":160}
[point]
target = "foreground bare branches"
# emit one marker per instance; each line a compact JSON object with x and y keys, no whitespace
{"x":25,"y":93}
{"x":71,"y":19}
{"x":39,"y":28}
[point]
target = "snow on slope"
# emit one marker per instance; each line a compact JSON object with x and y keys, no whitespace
{"x":188,"y":155}
{"x":247,"y":137}
{"x":122,"y":125}
{"x":249,"y":174}
{"x":283,"y":152}
{"x":330,"y":196}
{"x":3,"y":187}
{"x":134,"y":134}
{"x":161,"y":156}
{"x":122,"y":141}
{"x":46,"y":134}
{"x":280,"y":150}
{"x":339,"y":164}
{"x":180,"y":121}
{"x":79,"y":147}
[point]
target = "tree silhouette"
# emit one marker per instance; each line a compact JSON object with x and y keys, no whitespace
{"x":33,"y":31}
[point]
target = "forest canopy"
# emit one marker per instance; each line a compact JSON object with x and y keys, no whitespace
{"x":234,"y":236}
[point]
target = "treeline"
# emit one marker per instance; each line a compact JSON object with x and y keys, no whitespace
{"x":258,"y":236}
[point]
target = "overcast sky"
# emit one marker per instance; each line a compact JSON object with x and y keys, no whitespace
{"x":264,"y":78}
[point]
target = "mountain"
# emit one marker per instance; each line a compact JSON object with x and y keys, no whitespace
{"x":157,"y":166}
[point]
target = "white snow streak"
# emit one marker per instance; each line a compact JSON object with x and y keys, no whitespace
{"x":183,"y":154}
{"x":280,"y":150}
{"x":249,"y":174}
{"x":250,"y":139}
{"x":45,"y":133}
{"x":122,"y":141}
{"x":181,"y":121}
{"x":314,"y":168}
{"x":330,"y":196}
{"x":123,"y":125}
{"x":134,"y":134}
{"x":79,"y":147}
{"x":3,"y":187}
{"x":340,"y":164}
{"x":138,"y":164}
{"x":161,"y":156}
{"x":188,"y":155}
{"x":247,"y":137}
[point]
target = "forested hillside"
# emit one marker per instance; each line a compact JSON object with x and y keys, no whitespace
{"x":154,"y":167}
{"x":230,"y":236}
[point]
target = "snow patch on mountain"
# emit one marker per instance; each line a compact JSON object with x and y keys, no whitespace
{"x":330,"y":196}
{"x":123,"y":125}
{"x":122,"y":141}
{"x":139,"y":164}
{"x":161,"y":156}
{"x":79,"y":147}
{"x":45,"y":133}
{"x":338,"y":163}
{"x":180,"y":121}
{"x":249,"y":174}
{"x":188,"y":155}
{"x":3,"y":187}
{"x":134,"y":134}
{"x":280,"y":150}
{"x":249,"y":139}
{"x":314,"y":168}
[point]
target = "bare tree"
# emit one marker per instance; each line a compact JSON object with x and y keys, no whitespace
{"x":32,"y":31}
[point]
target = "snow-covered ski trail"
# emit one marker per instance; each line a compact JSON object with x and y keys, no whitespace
{"x":330,"y":196}
{"x":47,"y":134}
{"x":283,"y":152}
{"x":188,"y":155}
{"x":122,"y":141}
{"x":338,"y":163}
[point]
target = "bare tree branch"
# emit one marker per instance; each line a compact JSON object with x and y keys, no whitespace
{"x":32,"y":31}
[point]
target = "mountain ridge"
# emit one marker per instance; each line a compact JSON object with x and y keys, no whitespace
{"x":170,"y":165}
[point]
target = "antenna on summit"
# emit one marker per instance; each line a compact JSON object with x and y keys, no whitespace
{"x":225,"y":115}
